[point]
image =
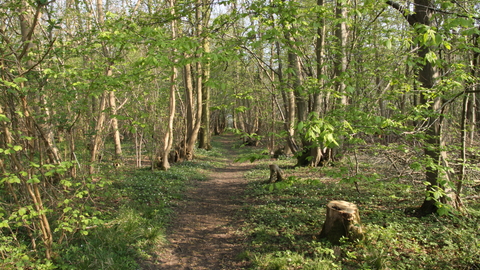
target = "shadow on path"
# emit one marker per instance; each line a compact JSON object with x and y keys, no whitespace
{"x":204,"y":234}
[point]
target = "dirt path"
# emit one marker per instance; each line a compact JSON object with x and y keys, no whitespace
{"x":204,"y":233}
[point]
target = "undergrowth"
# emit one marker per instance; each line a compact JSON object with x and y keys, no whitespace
{"x":283,"y":222}
{"x":136,"y":209}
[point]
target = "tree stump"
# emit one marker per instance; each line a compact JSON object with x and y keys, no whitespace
{"x":342,"y":219}
{"x":276,"y":174}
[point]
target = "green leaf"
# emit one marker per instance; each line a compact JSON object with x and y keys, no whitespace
{"x":425,"y":37}
{"x":241,"y":109}
{"x":438,"y":39}
{"x":431,"y":57}
{"x":447,"y":45}
{"x":4,"y":224}
{"x":35,"y":165}
{"x":11,"y":178}
{"x":4,"y":118}
{"x":330,"y":140}
{"x":300,"y":125}
{"x":388,"y":44}
{"x":442,"y":209}
{"x":33,"y":180}
{"x":350,"y":89}
{"x":19,"y":80}
{"x":22,"y":211}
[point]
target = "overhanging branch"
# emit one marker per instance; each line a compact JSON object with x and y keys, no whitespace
{"x":411,"y":19}
{"x":403,"y":10}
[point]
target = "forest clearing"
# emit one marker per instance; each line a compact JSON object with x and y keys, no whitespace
{"x":239,"y":134}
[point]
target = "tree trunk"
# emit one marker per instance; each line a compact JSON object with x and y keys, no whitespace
{"x":289,"y":101}
{"x":97,"y":137}
{"x":195,"y":128}
{"x":320,"y":55}
{"x":341,"y":60}
{"x":99,"y":125}
{"x":472,"y":116}
{"x":168,"y":140}
{"x":428,"y":76}
{"x":205,"y":133}
{"x":189,"y":99}
{"x":313,"y":155}
{"x":17,"y":123}
{"x":342,"y":220}
{"x":116,"y":132}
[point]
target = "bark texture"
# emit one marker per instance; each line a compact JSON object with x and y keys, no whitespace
{"x":276,"y":174}
{"x":343,"y":219}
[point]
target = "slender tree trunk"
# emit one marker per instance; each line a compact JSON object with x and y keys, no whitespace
{"x":73,"y":157}
{"x":98,"y":136}
{"x":189,"y":99}
{"x":289,"y":101}
{"x":299,"y":104}
{"x":16,"y":108}
{"x":464,"y":143}
{"x":468,"y":121}
{"x":168,"y":140}
{"x":341,"y":60}
{"x":205,"y":132}
{"x":47,"y":236}
{"x":192,"y":137}
{"x":96,"y":141}
{"x":320,"y":55}
{"x":116,"y":132}
{"x":296,"y":80}
{"x":472,"y":106}
{"x":316,"y":152}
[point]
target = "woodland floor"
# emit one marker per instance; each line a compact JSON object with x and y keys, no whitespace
{"x":204,"y":233}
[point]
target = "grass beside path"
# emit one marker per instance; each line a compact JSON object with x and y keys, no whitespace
{"x":136,"y":209}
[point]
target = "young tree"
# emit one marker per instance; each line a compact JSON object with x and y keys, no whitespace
{"x":168,"y":140}
{"x":439,"y":191}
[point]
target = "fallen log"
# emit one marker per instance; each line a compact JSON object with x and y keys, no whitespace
{"x":342,"y":219}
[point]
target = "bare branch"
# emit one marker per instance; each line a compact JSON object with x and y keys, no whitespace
{"x":410,"y":18}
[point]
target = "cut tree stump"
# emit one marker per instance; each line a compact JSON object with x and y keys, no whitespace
{"x":276,"y":174}
{"x":343,"y":219}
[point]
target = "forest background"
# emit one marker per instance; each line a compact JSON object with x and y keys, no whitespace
{"x":83,"y":81}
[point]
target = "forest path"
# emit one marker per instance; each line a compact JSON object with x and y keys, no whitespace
{"x":204,"y":233}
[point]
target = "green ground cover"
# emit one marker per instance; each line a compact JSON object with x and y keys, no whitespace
{"x":135,"y":209}
{"x":284,"y":219}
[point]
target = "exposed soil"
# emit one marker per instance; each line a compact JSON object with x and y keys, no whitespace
{"x":204,"y":234}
